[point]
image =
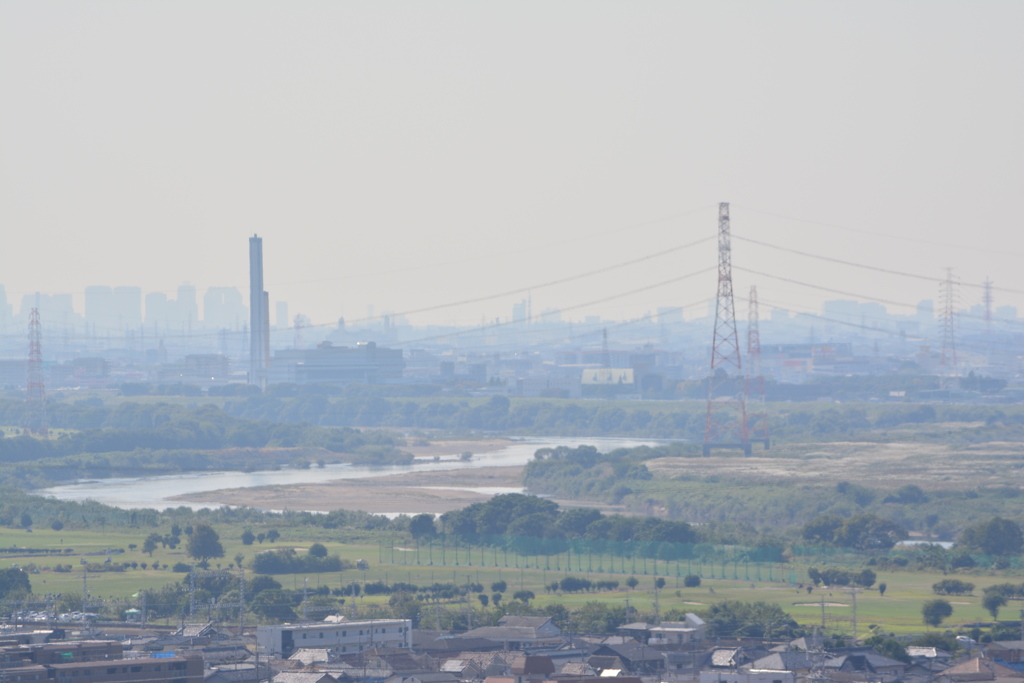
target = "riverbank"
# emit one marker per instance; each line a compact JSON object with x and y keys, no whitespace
{"x":286,"y":488}
{"x":410,"y":493}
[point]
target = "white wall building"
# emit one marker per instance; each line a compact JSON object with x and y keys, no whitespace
{"x":337,"y":633}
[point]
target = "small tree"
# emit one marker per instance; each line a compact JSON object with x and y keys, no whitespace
{"x":318,"y":550}
{"x":422,"y":526}
{"x":523,"y":596}
{"x":483,"y":599}
{"x":659,"y":582}
{"x":865,"y":578}
{"x":273,"y":535}
{"x":248,"y":537}
{"x":26,"y":520}
{"x":632,"y":582}
{"x":204,"y":543}
{"x":150,"y":544}
{"x":934,"y":611}
{"x":691,"y":581}
{"x":239,"y":558}
{"x":57,"y":525}
{"x":992,"y":602}
{"x":499,"y":586}
{"x":881,"y":588}
{"x":495,"y":599}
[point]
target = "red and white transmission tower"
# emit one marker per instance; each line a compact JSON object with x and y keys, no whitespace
{"x":726,"y":425}
{"x":949,"y":299}
{"x":755,"y":378}
{"x":36,"y":420}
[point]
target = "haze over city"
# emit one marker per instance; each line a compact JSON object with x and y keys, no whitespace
{"x":403,"y":156}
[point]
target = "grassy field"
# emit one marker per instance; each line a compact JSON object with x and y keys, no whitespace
{"x":898,"y":611}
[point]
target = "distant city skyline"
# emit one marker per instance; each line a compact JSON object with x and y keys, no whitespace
{"x":408,"y":157}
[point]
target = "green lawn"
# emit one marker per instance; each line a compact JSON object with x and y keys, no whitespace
{"x":899,"y":610}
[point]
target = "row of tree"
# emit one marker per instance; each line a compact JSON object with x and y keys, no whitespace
{"x":515,"y":514}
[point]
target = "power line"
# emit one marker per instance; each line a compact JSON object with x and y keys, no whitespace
{"x":479,"y":299}
{"x":504,"y":253}
{"x":871,"y":267}
{"x":484,"y":328}
{"x":824,"y":289}
{"x":1000,"y":252}
{"x":856,"y":295}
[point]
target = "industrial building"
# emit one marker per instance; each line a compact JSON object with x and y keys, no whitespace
{"x":364,"y":363}
{"x":338,"y":633}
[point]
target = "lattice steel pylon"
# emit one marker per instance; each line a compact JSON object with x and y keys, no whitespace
{"x":35,"y":395}
{"x":758,"y":416}
{"x":986,"y":299}
{"x":726,"y":424}
{"x":948,"y":297}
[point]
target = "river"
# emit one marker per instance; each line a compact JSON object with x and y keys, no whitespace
{"x":155,"y":491}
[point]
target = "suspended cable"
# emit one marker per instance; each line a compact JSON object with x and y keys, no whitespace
{"x":503,"y":253}
{"x":1000,"y":252}
{"x":878,"y":269}
{"x":484,"y":328}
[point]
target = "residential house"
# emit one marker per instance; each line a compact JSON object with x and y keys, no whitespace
{"x":532,"y":669}
{"x":515,"y":633}
{"x":979,"y":669}
{"x":303,"y":677}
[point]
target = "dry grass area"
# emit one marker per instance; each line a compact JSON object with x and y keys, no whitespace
{"x":882,"y":465}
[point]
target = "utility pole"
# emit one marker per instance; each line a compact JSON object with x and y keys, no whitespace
{"x":85,"y":597}
{"x":241,"y":602}
{"x":305,"y":596}
{"x":192,"y":592}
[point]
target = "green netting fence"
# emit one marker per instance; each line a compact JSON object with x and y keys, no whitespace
{"x":587,"y":556}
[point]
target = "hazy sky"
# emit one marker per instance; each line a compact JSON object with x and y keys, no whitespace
{"x":411,"y":154}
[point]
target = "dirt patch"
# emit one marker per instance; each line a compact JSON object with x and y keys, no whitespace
{"x":448,"y":448}
{"x":882,"y":465}
{"x":412,"y":492}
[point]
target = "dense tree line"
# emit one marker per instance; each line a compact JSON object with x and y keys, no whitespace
{"x":863,"y":532}
{"x":287,"y":561}
{"x":519,"y":515}
{"x":144,"y":434}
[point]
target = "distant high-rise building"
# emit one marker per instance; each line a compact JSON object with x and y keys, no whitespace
{"x":99,"y":308}
{"x":926,"y":310}
{"x":6,"y":309}
{"x":670,"y":315}
{"x":188,"y":306}
{"x":223,"y":308}
{"x":1006,"y":313}
{"x":259,"y":316}
{"x":157,"y":311}
{"x":128,"y":304}
{"x":113,"y":309}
